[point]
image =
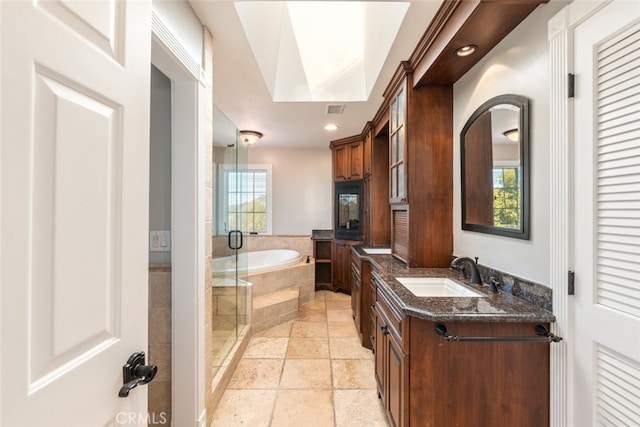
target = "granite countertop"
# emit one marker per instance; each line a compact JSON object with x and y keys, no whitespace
{"x":498,"y":307}
{"x":321,"y":234}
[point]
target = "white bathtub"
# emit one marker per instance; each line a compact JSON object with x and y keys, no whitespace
{"x":256,"y":262}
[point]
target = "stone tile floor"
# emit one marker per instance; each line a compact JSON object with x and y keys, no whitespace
{"x":310,"y":372}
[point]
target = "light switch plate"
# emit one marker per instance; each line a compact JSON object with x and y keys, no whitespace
{"x":160,"y":241}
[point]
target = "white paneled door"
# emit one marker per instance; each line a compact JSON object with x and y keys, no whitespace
{"x":74,"y":210}
{"x":607,"y":217}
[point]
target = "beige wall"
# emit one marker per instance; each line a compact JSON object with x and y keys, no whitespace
{"x":160,"y":340}
{"x":160,"y":161}
{"x":302,"y":188}
{"x":517,"y":65}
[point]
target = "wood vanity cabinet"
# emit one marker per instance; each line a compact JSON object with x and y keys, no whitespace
{"x":391,"y":358}
{"x":420,"y":171}
{"x":347,"y":158}
{"x":361,"y":298}
{"x":458,"y":383}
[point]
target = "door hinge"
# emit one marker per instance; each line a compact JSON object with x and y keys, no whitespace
{"x":571,"y":288}
{"x":571,"y":85}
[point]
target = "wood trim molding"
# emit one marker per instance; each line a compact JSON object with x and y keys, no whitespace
{"x":403,"y":70}
{"x":348,"y":139}
{"x":460,"y":23}
{"x":439,"y":33}
{"x":438,"y":22}
{"x":561,"y":122}
{"x":559,"y":222}
{"x":381,"y":119}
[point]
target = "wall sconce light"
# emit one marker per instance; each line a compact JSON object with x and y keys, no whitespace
{"x":466,"y":50}
{"x":512,"y":134}
{"x":250,"y":136}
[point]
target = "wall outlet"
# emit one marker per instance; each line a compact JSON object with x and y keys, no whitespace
{"x":160,"y":241}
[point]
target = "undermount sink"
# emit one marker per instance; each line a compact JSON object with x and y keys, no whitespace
{"x":436,"y":287}
{"x":377,"y":251}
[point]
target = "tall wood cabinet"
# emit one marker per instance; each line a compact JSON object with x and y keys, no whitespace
{"x":376,"y":215}
{"x":420,"y":171}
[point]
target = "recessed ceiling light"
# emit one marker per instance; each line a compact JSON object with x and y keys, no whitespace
{"x":330,"y":126}
{"x":466,"y":50}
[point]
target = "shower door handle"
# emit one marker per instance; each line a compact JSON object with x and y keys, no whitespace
{"x":236,"y":233}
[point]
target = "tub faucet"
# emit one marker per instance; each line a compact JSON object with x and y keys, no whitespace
{"x":475,"y":273}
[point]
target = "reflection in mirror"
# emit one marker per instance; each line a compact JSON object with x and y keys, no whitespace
{"x":494,"y":151}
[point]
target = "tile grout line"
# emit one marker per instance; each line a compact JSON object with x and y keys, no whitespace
{"x":335,"y":365}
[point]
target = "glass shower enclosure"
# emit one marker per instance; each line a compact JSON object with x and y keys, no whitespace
{"x":230,"y":293}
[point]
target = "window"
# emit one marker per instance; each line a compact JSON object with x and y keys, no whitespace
{"x":506,"y":197}
{"x":248,"y":201}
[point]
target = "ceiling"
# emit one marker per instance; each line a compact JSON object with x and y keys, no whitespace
{"x":245,"y":96}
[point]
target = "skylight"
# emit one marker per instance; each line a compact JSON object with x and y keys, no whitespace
{"x":322,"y":51}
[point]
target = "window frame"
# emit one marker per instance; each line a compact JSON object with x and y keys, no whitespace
{"x":223,"y":210}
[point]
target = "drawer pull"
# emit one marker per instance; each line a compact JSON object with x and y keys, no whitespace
{"x":384,"y":330}
{"x":546,"y":336}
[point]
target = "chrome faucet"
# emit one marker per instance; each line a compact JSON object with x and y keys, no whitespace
{"x":475,"y":273}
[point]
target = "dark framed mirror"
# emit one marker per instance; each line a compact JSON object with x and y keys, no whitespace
{"x":494,"y":167}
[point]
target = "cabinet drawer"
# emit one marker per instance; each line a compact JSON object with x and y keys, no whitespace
{"x":395,"y":320}
{"x":355,"y":263}
{"x":355,"y":271}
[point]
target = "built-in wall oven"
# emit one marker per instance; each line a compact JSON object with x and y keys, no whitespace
{"x":348,"y":210}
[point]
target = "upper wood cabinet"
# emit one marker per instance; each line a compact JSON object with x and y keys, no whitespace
{"x":397,"y":146}
{"x":347,"y":159}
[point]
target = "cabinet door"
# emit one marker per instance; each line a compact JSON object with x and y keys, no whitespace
{"x":367,"y":154}
{"x":341,"y":163}
{"x":380,"y":353}
{"x":355,"y":161}
{"x":396,"y":366}
{"x":397,"y":149}
{"x":366,"y":209}
{"x":347,"y":161}
{"x":372,"y":315}
{"x":341,"y":269}
{"x":356,"y":289}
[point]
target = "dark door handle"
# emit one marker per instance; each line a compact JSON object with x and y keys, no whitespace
{"x":236,"y":246}
{"x":135,"y":372}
